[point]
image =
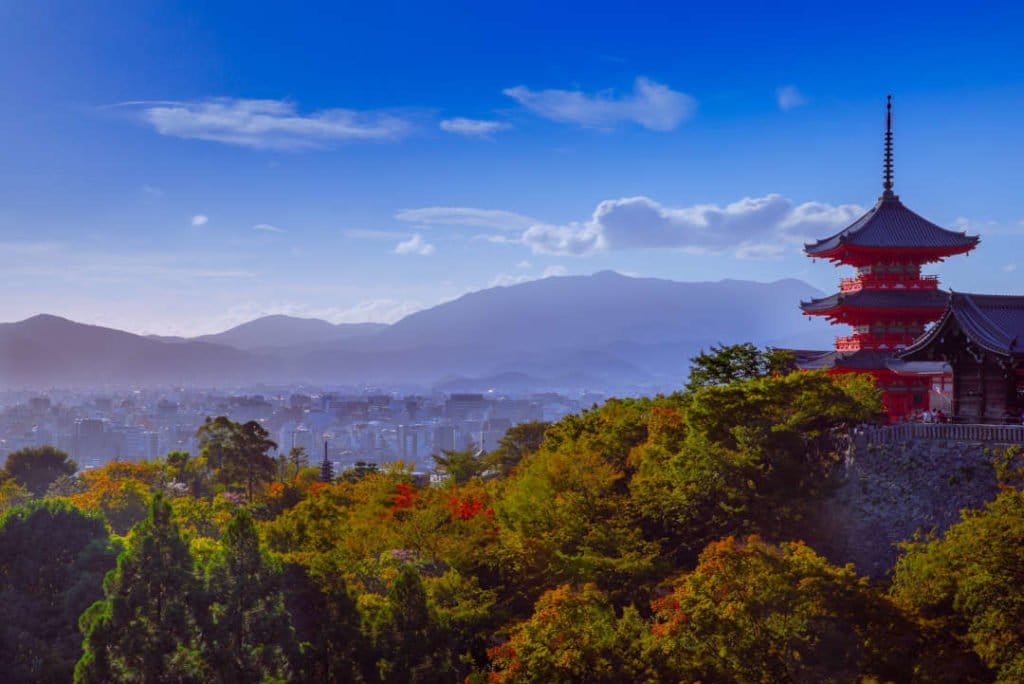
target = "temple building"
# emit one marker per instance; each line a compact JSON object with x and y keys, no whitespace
{"x":888,"y":302}
{"x":981,"y":338}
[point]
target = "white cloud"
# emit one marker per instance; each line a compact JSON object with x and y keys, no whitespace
{"x":751,"y":228}
{"x":268,"y":228}
{"x":1010,"y":268}
{"x":651,"y":105}
{"x":267,"y":124}
{"x":200,"y":220}
{"x":152,"y":191}
{"x":524,"y":264}
{"x":466,"y":216}
{"x":788,"y":97}
{"x":415,"y":245}
{"x":475,"y":128}
{"x":575,"y":238}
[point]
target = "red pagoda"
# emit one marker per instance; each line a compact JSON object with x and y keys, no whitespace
{"x":888,"y":302}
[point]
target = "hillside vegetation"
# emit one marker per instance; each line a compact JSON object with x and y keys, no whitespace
{"x":643,"y":540}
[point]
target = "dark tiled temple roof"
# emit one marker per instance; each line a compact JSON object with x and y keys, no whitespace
{"x":863,"y":359}
{"x":993,"y":322}
{"x":879,"y":299}
{"x":890,"y":225}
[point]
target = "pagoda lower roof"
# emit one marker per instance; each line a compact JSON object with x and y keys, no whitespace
{"x":878,"y":300}
{"x":891,"y":226}
{"x":863,"y":359}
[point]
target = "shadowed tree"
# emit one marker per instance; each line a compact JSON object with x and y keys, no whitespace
{"x":327,"y":626}
{"x":237,"y":452}
{"x":36,"y":468}
{"x":409,"y":640}
{"x":52,"y":561}
{"x":249,"y":632}
{"x":519,"y":441}
{"x":145,"y":630}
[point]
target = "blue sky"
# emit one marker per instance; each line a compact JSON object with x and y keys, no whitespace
{"x":182,"y":167}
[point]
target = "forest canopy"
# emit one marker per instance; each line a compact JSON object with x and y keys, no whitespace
{"x":651,"y":539}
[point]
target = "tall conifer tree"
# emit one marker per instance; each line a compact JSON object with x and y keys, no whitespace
{"x":145,"y":630}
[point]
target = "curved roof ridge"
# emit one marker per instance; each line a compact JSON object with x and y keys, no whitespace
{"x":993,"y":322}
{"x":981,"y":324}
{"x":891,"y":224}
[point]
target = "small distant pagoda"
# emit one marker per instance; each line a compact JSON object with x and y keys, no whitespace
{"x":888,"y":302}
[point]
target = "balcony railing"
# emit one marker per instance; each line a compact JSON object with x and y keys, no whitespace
{"x":955,"y":432}
{"x":888,"y":282}
{"x":859,"y":341}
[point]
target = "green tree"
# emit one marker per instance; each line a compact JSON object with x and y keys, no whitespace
{"x":460,"y":466}
{"x":520,"y":440}
{"x":573,"y":636}
{"x":146,"y":630}
{"x":291,"y":464}
{"x":408,"y":637}
{"x":358,"y":471}
{"x":725,"y":364}
{"x":52,"y":561}
{"x":36,"y":468}
{"x":970,"y":585}
{"x":237,"y":452}
{"x":792,"y":430}
{"x":249,"y":635}
{"x":327,"y":623}
{"x":755,"y":612}
{"x":12,"y":494}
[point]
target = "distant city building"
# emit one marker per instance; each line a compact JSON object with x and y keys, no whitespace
{"x":444,"y":438}
{"x":466,"y":406}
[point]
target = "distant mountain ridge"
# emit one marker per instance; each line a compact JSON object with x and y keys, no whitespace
{"x":605,"y":332}
{"x":284,"y":331}
{"x":47,"y":350}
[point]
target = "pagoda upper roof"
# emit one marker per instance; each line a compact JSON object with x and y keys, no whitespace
{"x":890,"y":225}
{"x":873,"y":300}
{"x":993,"y":322}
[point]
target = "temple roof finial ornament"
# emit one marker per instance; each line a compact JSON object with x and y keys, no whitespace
{"x":892,"y":227}
{"x":887,"y":165}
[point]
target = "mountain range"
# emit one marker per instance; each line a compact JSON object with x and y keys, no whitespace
{"x":603,"y":332}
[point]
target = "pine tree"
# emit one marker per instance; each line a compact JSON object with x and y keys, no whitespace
{"x":145,"y":630}
{"x":250,"y":635}
{"x":409,"y":637}
{"x":52,"y":561}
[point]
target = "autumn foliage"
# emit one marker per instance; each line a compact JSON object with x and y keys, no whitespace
{"x":642,"y":540}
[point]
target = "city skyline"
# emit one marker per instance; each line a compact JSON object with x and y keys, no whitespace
{"x":179,"y":170}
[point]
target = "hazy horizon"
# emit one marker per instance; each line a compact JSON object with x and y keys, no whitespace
{"x":329,"y":318}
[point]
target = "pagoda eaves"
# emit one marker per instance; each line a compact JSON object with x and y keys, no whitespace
{"x":891,"y":303}
{"x":888,"y":302}
{"x":890,"y":229}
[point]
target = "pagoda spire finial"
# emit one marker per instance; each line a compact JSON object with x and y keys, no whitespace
{"x":887,"y":165}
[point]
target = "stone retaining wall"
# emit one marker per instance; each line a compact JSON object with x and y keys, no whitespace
{"x":887,"y":492}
